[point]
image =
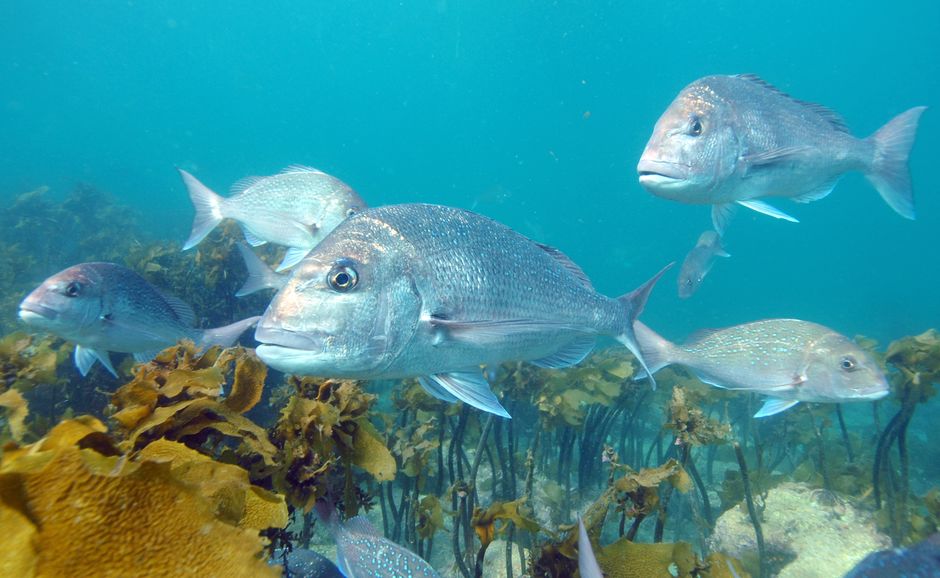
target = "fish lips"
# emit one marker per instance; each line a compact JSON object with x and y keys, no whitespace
{"x":656,"y":174}
{"x":287,"y":339}
{"x":878,"y":394}
{"x":33,"y":312}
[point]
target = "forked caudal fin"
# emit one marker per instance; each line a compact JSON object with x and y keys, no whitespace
{"x":633,"y":304}
{"x":889,"y":172}
{"x":657,"y":351}
{"x":587,"y":562}
{"x":208,"y":207}
{"x":226,"y":335}
{"x":260,"y":276}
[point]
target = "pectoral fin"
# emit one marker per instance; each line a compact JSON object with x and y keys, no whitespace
{"x":773,"y":156}
{"x":762,"y":207}
{"x":469,"y":387}
{"x":490,"y":331}
{"x":775,"y":405}
{"x":86,"y":357}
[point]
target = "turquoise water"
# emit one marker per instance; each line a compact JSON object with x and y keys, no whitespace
{"x":533,"y":113}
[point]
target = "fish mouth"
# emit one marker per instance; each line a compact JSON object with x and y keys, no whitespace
{"x":660,"y":173}
{"x":875,"y":394}
{"x":33,"y":312}
{"x":275,"y":337}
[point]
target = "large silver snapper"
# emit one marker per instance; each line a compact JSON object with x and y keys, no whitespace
{"x":736,"y":140}
{"x":105,"y":307}
{"x":296,"y":208}
{"x":788,"y":360}
{"x":698,"y":262}
{"x":435,"y":292}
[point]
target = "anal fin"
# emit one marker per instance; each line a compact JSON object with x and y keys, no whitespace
{"x":251,"y":238}
{"x":293,"y":256}
{"x":571,"y":354}
{"x":819,"y":192}
{"x":775,"y":405}
{"x":722,"y":213}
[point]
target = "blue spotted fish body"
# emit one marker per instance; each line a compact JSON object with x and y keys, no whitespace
{"x":362,"y":552}
{"x":788,"y":360}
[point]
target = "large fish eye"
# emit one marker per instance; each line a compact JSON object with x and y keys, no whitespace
{"x":695,"y":126}
{"x":848,"y":363}
{"x":351,"y":211}
{"x":73,"y":289}
{"x":343,"y":276}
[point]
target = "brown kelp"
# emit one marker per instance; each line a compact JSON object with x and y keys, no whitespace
{"x":917,"y":364}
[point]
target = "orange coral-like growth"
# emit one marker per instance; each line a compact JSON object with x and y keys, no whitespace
{"x":66,"y":511}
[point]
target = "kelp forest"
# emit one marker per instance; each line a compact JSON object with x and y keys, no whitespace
{"x":227,"y":460}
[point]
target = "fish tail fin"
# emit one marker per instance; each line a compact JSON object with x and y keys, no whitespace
{"x":260,"y":276}
{"x":655,"y":349}
{"x":889,"y":172}
{"x":208,"y":207}
{"x":226,"y":335}
{"x":633,"y":304}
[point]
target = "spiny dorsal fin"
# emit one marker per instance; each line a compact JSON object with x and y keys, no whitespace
{"x":180,"y":308}
{"x":567,"y":263}
{"x":361,"y":525}
{"x":292,"y":169}
{"x":826,"y":113}
{"x":243,"y":184}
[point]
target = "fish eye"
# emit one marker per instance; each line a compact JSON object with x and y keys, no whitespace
{"x":351,"y":211}
{"x":848,"y":363}
{"x":73,"y":289}
{"x":343,"y":276}
{"x":695,"y":126}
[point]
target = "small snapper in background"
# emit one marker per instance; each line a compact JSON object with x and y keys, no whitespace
{"x":435,"y":293}
{"x":296,"y":208}
{"x":787,"y":360}
{"x":104,"y":307}
{"x":698,"y":262}
{"x":736,"y":140}
{"x":260,"y":276}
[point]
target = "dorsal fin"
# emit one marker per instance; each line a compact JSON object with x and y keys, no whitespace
{"x":361,"y":525}
{"x":291,"y":169}
{"x":826,"y":113}
{"x":700,"y":335}
{"x":180,"y":308}
{"x":243,"y":184}
{"x":567,"y":263}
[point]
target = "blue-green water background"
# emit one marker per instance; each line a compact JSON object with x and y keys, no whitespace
{"x":533,"y":113}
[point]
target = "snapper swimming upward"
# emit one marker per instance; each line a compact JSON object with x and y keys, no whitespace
{"x":698,"y":262}
{"x":296,"y":208}
{"x":736,"y":140}
{"x":786,"y":359}
{"x":105,"y":307}
{"x":435,"y":292}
